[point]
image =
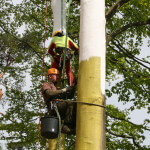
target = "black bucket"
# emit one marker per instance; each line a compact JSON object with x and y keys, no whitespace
{"x":49,"y":127}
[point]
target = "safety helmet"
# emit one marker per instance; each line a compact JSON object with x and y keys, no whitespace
{"x":53,"y":71}
{"x":56,"y":33}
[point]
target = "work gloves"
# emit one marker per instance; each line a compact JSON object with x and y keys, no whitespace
{"x":68,"y":89}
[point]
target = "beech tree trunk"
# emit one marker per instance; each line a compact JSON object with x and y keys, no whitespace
{"x":90,"y":132}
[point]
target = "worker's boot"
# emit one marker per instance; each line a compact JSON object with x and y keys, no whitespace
{"x":67,"y":130}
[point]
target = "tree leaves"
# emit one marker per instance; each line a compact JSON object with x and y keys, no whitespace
{"x":127,"y":72}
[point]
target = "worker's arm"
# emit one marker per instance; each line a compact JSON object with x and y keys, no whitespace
{"x":50,"y":93}
{"x":51,"y":49}
{"x":73,"y":45}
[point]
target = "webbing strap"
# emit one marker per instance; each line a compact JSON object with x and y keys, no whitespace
{"x":67,"y":20}
{"x":85,"y":103}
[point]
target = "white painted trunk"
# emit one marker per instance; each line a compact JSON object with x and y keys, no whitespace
{"x":90,"y":130}
{"x":92,"y":33}
{"x":59,"y":15}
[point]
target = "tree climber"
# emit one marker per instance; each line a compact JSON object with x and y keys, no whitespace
{"x":67,"y":110}
{"x":57,"y":48}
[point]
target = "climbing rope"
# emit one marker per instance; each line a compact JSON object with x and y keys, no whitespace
{"x":59,"y":119}
{"x":86,"y":103}
{"x":44,"y":39}
{"x":67,"y":21}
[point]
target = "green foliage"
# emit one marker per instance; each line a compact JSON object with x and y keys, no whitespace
{"x":21,"y":55}
{"x":121,"y":131}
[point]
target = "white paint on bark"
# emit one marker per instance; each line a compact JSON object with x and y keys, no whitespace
{"x":92,"y":33}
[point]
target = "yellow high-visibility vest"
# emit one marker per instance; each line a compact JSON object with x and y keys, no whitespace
{"x":61,"y":41}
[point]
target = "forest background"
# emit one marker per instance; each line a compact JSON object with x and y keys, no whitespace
{"x":128,"y":65}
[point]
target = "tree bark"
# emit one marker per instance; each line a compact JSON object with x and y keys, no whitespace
{"x":90,"y":132}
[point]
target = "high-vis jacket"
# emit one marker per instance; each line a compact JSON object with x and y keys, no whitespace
{"x":61,"y":42}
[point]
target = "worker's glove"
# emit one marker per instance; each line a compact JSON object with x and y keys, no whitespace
{"x":67,"y":89}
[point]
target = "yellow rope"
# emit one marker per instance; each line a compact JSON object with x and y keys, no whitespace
{"x":44,"y":47}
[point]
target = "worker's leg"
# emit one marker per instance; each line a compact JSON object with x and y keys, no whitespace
{"x":69,"y":73}
{"x":62,"y":107}
{"x":55,"y":64}
{"x":70,"y":119}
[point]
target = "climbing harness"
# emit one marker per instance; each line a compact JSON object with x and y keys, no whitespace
{"x":65,"y":52}
{"x":79,"y":102}
{"x":60,"y":52}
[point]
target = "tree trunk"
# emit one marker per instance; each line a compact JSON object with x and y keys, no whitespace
{"x":53,"y":143}
{"x":59,"y":15}
{"x":90,"y":132}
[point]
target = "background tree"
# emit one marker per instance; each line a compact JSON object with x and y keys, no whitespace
{"x":128,"y":29}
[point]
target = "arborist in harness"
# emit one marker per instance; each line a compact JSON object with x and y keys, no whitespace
{"x":60,"y":46}
{"x":51,"y":94}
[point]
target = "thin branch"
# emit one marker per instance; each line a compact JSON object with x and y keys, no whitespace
{"x":113,"y":60}
{"x":36,"y":19}
{"x":6,"y":31}
{"x":113,"y":9}
{"x":128,"y":122}
{"x":129,"y":55}
{"x":124,"y":136}
{"x":119,"y":135}
{"x":124,"y":28}
{"x":124,"y":72}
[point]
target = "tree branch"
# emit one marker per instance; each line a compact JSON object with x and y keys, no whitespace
{"x":128,"y":122}
{"x":125,"y":73}
{"x":124,"y":136}
{"x":124,"y":28}
{"x":129,"y":55}
{"x":113,"y":60}
{"x":23,"y":42}
{"x":113,"y":9}
{"x":36,"y":19}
